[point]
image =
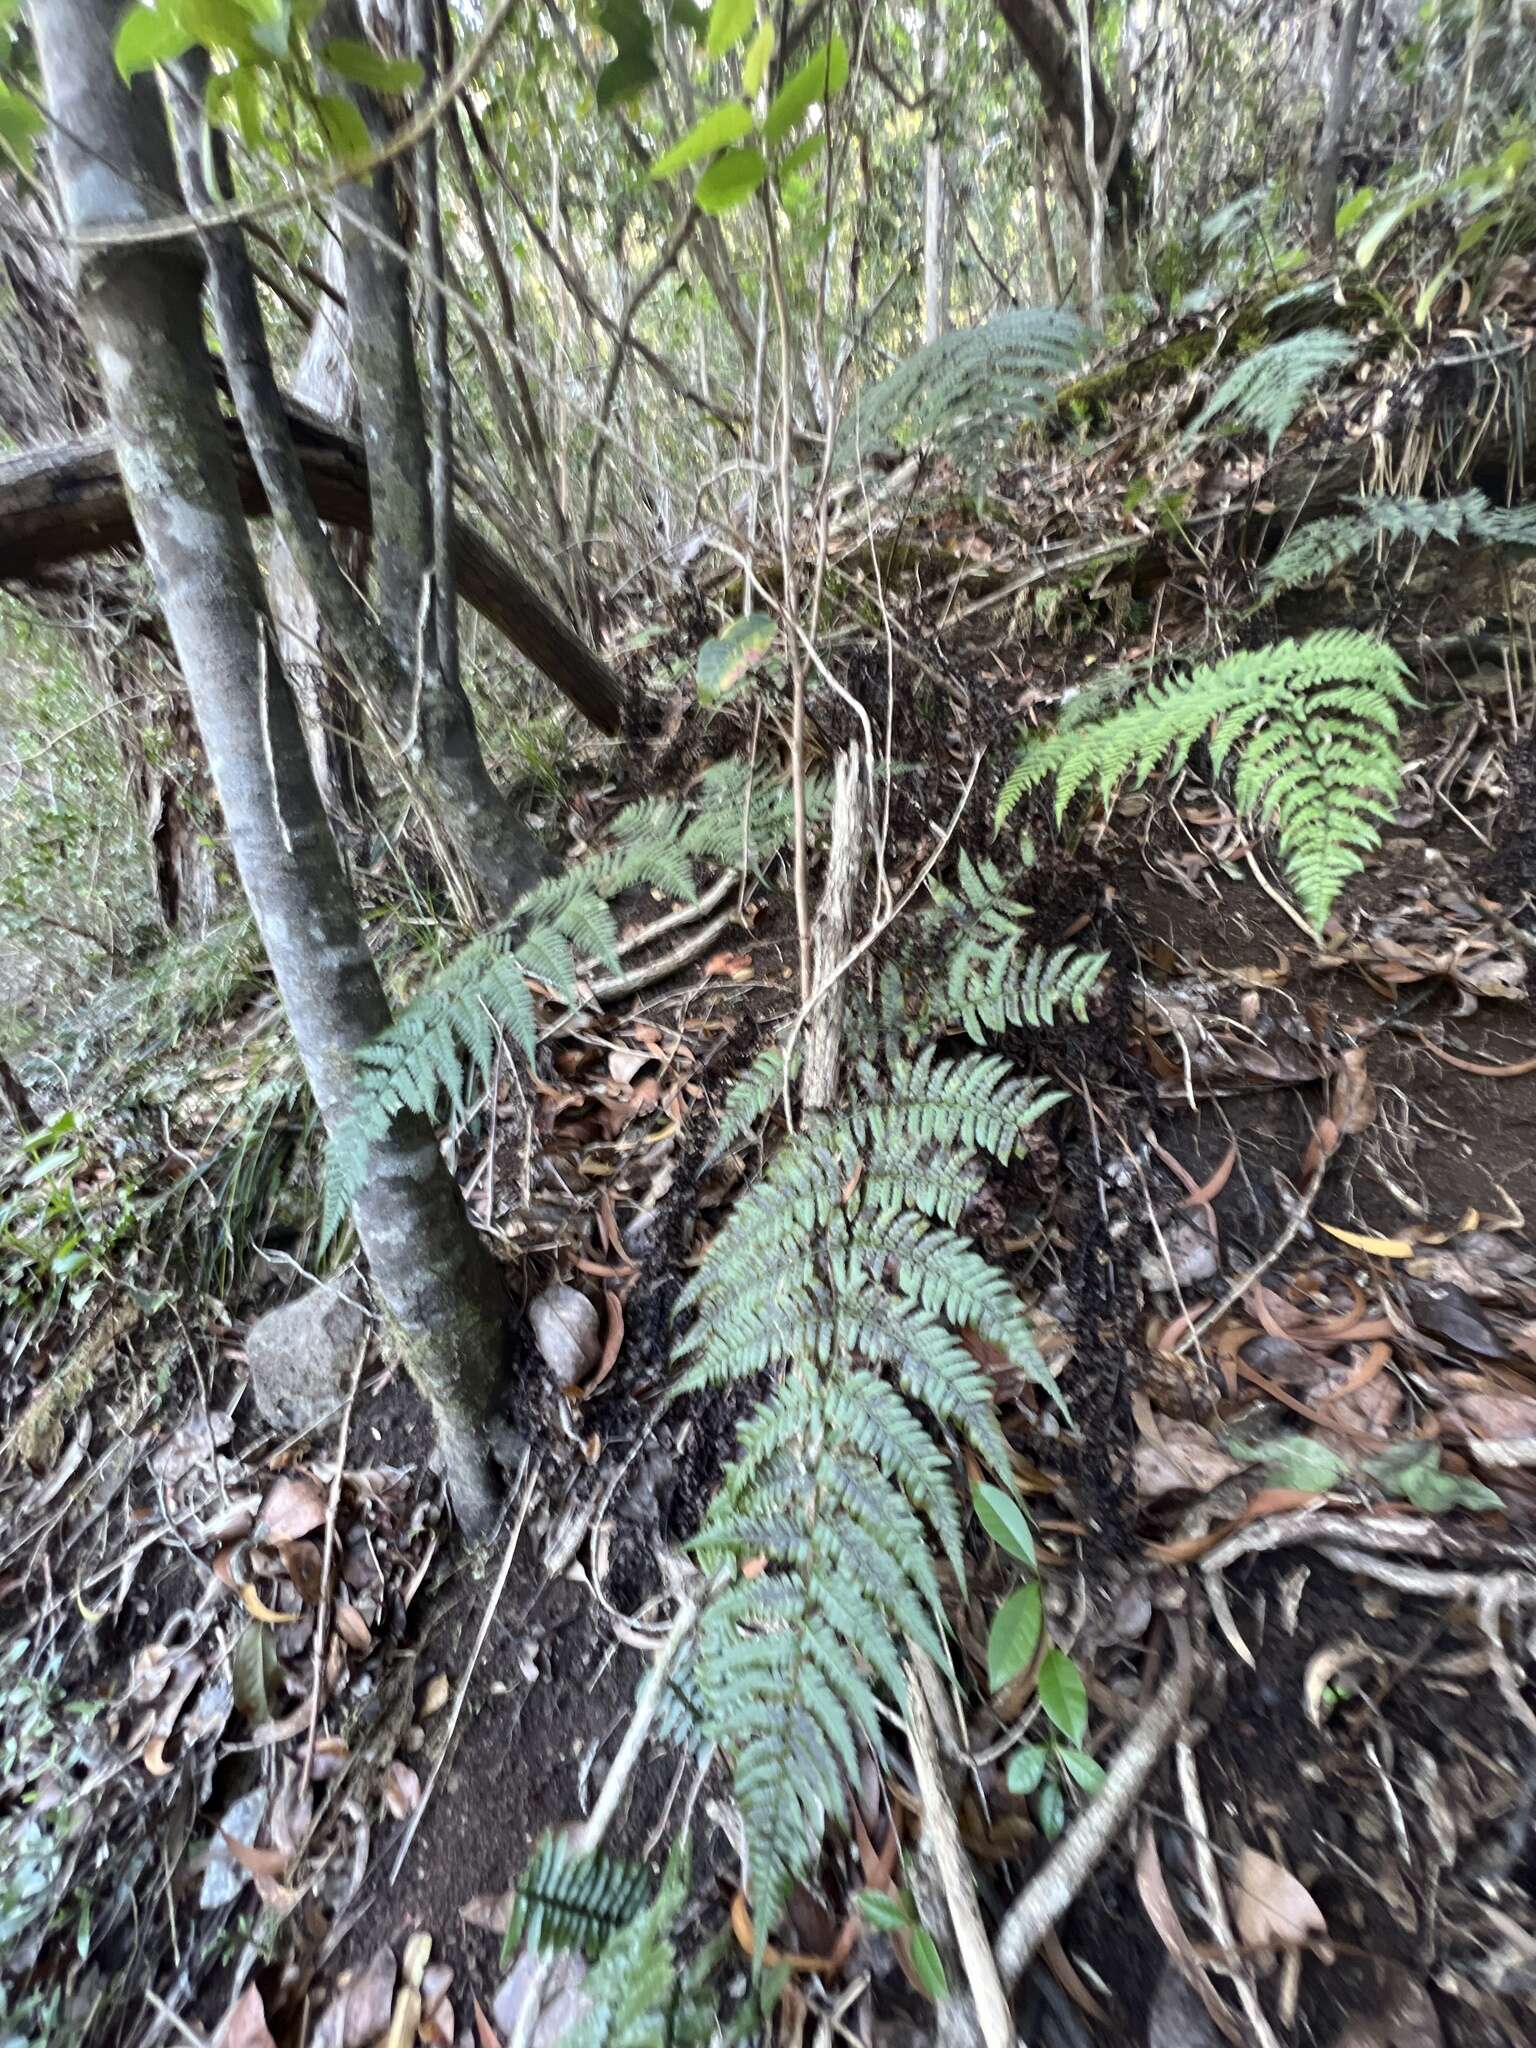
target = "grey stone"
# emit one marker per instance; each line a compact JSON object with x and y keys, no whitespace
{"x":302,"y":1357}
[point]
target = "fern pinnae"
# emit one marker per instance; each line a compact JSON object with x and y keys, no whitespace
{"x":1266,"y":391}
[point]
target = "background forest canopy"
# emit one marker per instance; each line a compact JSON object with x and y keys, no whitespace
{"x":598,"y":607}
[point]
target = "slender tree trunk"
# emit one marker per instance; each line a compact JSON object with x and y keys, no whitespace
{"x":1325,"y":193}
{"x":140,"y":307}
{"x":1091,"y":168}
{"x":437,"y":722}
{"x":1046,"y":38}
{"x":935,"y":240}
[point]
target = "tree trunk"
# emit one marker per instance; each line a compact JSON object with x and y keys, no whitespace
{"x":1325,"y":193}
{"x":141,"y":311}
{"x":1045,"y":35}
{"x":935,"y":240}
{"x":439,"y":725}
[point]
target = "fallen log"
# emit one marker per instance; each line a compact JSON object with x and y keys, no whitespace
{"x":60,"y":503}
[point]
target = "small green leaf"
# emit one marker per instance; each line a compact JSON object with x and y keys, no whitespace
{"x":1412,"y":1472}
{"x":1014,"y":1636}
{"x":364,"y":65}
{"x":803,"y":152}
{"x":20,"y":125}
{"x":723,"y":661}
{"x":1004,"y":1520}
{"x":1051,"y":1809}
{"x":1063,"y":1695}
{"x":754,"y":66}
{"x":346,"y":132}
{"x":1026,"y":1767}
{"x":730,"y":180}
{"x":1082,"y":1770}
{"x":820,"y":77}
{"x":1353,"y":209}
{"x":233,"y":99}
{"x":729,"y":21}
{"x":928,"y":1965}
{"x":147,"y":37}
{"x":626,"y":77}
{"x":627,"y":22}
{"x":1299,"y":1463}
{"x":223,"y":25}
{"x":721,"y":125}
{"x":884,"y":1912}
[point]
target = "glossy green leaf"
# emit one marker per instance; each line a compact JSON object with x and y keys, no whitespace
{"x":626,"y":77}
{"x":754,"y":66}
{"x":1082,"y":1770}
{"x":803,"y":153}
{"x":233,"y":100}
{"x":820,"y":77}
{"x":346,"y":132}
{"x":724,"y":660}
{"x":1300,"y":1463}
{"x":1026,"y":1767}
{"x":1004,"y":1521}
{"x":1014,"y":1636}
{"x":882,"y":1911}
{"x":1063,"y":1695}
{"x":720,"y":126}
{"x":928,"y":1965}
{"x":364,"y":65}
{"x":146,"y":36}
{"x":1051,"y":1809}
{"x":20,"y":125}
{"x":729,"y":21}
{"x":731,"y":180}
{"x":224,"y":25}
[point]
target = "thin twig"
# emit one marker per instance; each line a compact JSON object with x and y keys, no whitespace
{"x":327,"y":1559}
{"x":1215,"y":1902}
{"x":462,"y":1694}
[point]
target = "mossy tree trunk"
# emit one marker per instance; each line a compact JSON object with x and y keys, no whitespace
{"x":141,"y":310}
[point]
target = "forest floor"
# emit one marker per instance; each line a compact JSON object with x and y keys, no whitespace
{"x":1277,"y":1234}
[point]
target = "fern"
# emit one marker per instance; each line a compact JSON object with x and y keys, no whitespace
{"x":750,"y":1096}
{"x":572,"y":1902}
{"x":843,"y":1270}
{"x":987,"y":985}
{"x":966,"y":394}
{"x":1265,"y":391}
{"x":1312,"y":723}
{"x":1315,"y":551}
{"x":442,"y":1046}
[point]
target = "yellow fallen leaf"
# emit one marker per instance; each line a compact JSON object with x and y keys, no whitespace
{"x":1381,"y":1247}
{"x":253,"y":1604}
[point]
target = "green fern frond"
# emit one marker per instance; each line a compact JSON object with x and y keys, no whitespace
{"x":1312,"y":722}
{"x":842,"y":1271}
{"x":1317,"y":550}
{"x":1264,"y":392}
{"x":967,"y":394}
{"x":441,"y":1049}
{"x":750,"y":1097}
{"x":988,"y":984}
{"x":572,"y":1902}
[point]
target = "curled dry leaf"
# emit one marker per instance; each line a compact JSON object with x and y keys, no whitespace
{"x":247,"y":2026}
{"x":1273,"y":1910}
{"x":402,"y":1790}
{"x":359,"y":2013}
{"x":1182,"y":1457}
{"x":566,"y":1331}
{"x":293,"y":1508}
{"x":352,"y":1628}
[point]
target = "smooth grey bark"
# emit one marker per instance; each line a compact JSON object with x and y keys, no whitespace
{"x":436,"y":719}
{"x":937,"y":243}
{"x":445,"y":609}
{"x":141,"y":311}
{"x":1325,"y":193}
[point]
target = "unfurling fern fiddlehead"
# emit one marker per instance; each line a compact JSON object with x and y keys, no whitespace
{"x":1312,"y":725}
{"x":843,"y":1268}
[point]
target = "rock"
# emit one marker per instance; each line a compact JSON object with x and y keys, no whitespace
{"x":568,"y":1332}
{"x":302,"y":1357}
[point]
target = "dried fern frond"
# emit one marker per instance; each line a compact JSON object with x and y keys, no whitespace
{"x":1312,"y":726}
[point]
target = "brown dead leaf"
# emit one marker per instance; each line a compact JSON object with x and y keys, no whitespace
{"x":436,"y":1696}
{"x":435,"y":2028}
{"x":302,"y":1562}
{"x":359,"y":2013}
{"x":486,"y":2035}
{"x":402,"y":1790}
{"x":729,"y":966}
{"x":1273,"y":1910}
{"x":293,"y":1508}
{"x":247,"y":2026}
{"x":1157,"y":1902}
{"x":1183,"y":1457}
{"x":1352,"y":1100}
{"x":490,"y":1910}
{"x":352,"y":1628}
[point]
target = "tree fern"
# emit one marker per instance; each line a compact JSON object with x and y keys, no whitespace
{"x":967,"y":394}
{"x":843,"y":1270}
{"x":1312,"y":725}
{"x":1265,"y":391}
{"x":989,"y":982}
{"x":441,"y":1048}
{"x":1316,"y":550}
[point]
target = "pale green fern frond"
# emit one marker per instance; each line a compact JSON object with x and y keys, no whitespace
{"x":967,"y":394}
{"x":1266,"y":391}
{"x":750,"y":1097}
{"x":1312,"y":725}
{"x":1317,"y":550}
{"x":990,"y":981}
{"x":842,"y":1271}
{"x":564,"y":1901}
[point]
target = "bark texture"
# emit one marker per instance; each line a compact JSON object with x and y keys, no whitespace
{"x":141,"y":313}
{"x":1047,"y":40}
{"x":1325,"y":197}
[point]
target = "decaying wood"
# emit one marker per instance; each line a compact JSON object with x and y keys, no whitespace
{"x":833,"y":926}
{"x":63,"y":502}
